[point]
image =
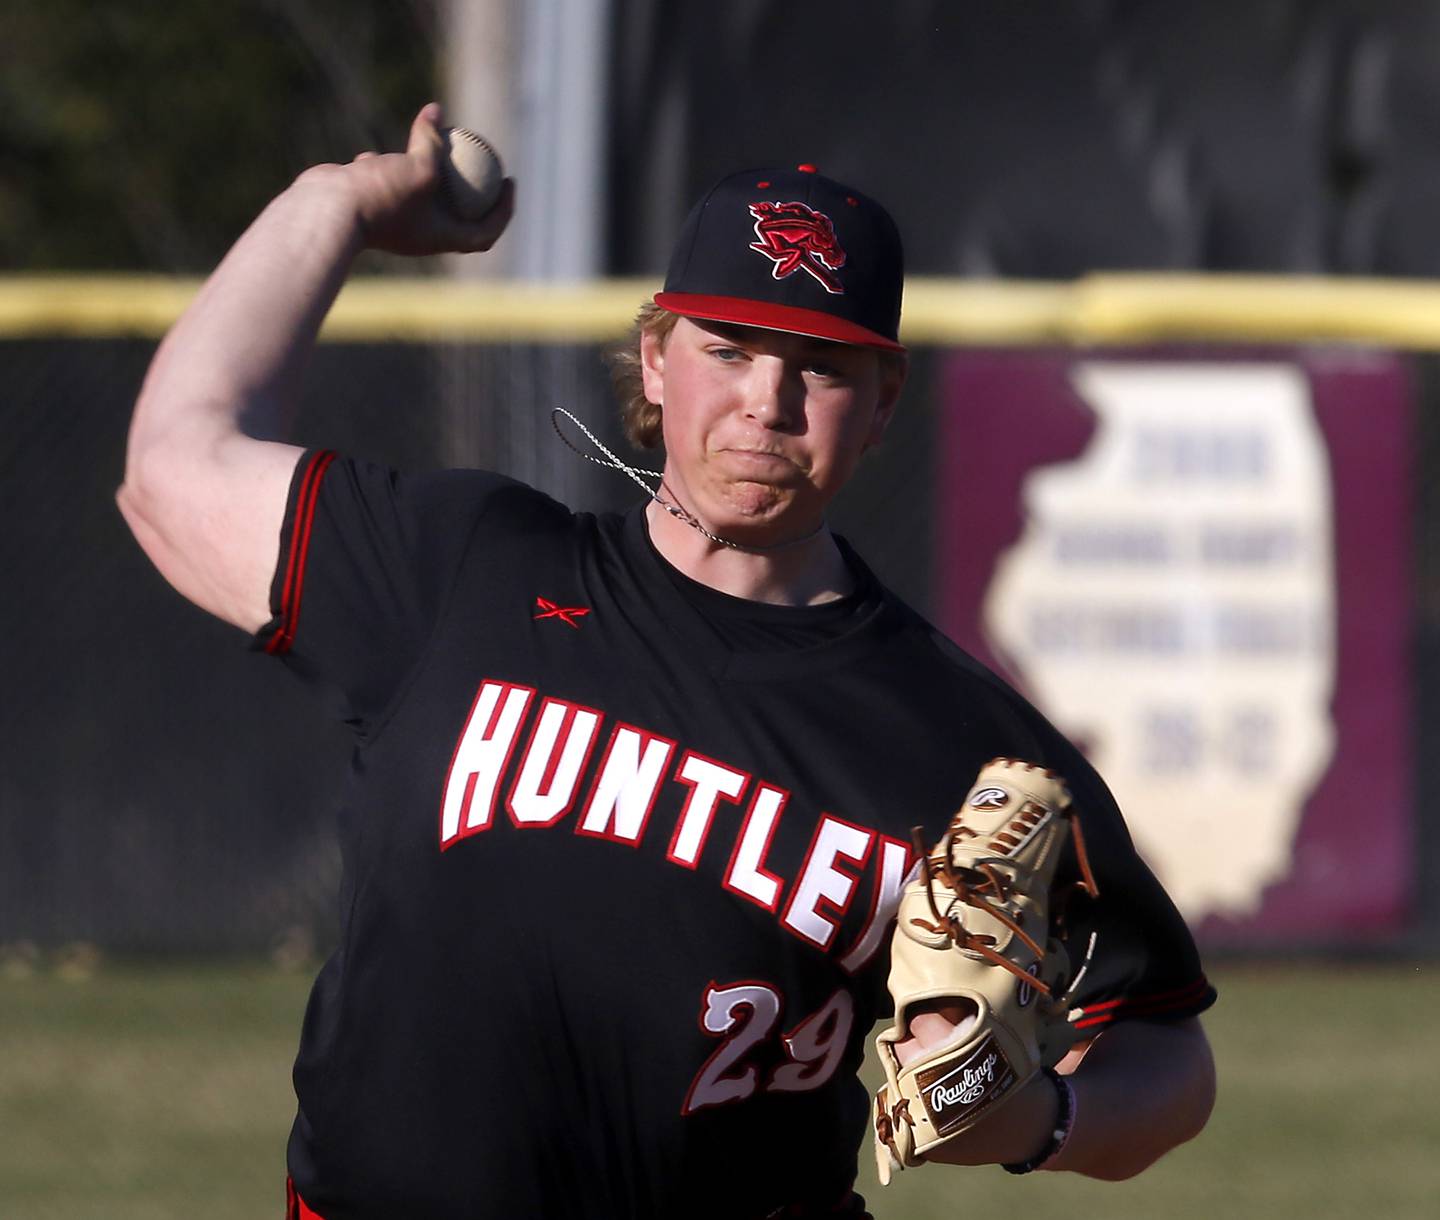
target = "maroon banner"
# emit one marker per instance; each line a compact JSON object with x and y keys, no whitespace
{"x":1197,"y":564}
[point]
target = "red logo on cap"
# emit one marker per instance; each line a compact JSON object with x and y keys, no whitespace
{"x":795,"y":237}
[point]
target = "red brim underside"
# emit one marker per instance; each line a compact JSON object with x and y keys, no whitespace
{"x":788,"y":318}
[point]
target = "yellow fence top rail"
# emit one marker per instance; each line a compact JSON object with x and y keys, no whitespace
{"x":1100,"y":309}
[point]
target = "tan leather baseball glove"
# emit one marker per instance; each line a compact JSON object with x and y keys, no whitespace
{"x":974,"y":926}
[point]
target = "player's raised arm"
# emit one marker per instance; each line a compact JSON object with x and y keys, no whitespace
{"x":207,"y":473}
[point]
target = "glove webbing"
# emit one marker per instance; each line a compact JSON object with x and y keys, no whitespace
{"x":972,"y":884}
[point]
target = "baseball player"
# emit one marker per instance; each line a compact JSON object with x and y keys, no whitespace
{"x":631,"y":802}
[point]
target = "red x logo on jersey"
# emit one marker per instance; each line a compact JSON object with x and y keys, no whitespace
{"x":566,"y":614}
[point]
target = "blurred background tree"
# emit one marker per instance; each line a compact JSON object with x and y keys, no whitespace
{"x":105,"y":162}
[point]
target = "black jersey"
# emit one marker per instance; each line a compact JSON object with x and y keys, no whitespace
{"x":617,"y":891}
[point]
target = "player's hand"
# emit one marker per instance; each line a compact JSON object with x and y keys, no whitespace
{"x":934,"y":1024}
{"x":397,"y":200}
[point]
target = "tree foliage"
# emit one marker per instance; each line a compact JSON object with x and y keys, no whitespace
{"x":141,"y":135}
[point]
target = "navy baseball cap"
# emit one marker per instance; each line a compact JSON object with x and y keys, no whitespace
{"x":790,"y":250}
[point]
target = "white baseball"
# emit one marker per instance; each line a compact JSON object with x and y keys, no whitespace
{"x":471,"y":174}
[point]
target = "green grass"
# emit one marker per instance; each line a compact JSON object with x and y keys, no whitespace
{"x":147,"y":1093}
{"x":1328,"y":1109}
{"x":152,"y":1092}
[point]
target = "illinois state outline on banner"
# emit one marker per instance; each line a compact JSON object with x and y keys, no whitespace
{"x":1171,"y":605}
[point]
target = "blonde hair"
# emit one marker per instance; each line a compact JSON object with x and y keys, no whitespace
{"x":638,"y":415}
{"x":641,"y":418}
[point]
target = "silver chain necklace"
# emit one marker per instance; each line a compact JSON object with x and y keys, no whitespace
{"x":638,"y":474}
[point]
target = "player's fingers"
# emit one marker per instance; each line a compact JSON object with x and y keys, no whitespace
{"x":936,"y":1024}
{"x":364,"y":156}
{"x":425,"y":138}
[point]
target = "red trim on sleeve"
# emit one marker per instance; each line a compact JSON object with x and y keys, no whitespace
{"x":293,"y":589}
{"x":1193,"y":998}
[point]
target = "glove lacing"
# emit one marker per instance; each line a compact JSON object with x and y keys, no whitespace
{"x":983,"y":886}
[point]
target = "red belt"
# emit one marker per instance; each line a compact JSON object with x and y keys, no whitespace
{"x":295,"y":1208}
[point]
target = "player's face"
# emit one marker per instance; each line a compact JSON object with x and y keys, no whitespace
{"x":762,"y":428}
